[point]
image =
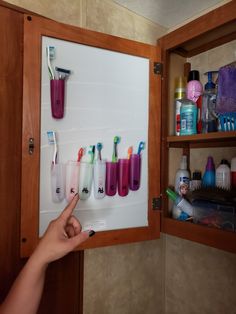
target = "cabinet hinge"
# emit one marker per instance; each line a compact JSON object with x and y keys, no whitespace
{"x":31,"y":145}
{"x":158,"y":67}
{"x":156,"y":203}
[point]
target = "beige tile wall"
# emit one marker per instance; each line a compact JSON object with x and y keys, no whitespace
{"x":169,"y":275}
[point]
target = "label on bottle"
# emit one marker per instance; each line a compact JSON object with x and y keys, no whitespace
{"x":183,"y":186}
{"x":177,"y":117}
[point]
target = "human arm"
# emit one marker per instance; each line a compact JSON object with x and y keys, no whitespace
{"x":62,"y":236}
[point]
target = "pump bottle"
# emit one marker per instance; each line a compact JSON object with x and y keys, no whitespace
{"x":209,"y":118}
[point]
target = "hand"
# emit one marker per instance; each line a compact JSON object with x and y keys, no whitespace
{"x":62,"y":235}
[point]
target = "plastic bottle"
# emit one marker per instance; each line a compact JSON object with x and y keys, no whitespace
{"x":188,"y":117}
{"x":209,"y":174}
{"x":180,"y":85}
{"x":182,"y":204}
{"x":194,"y":90}
{"x":182,"y":177}
{"x":209,"y":118}
{"x":223,"y":175}
{"x":233,"y":173}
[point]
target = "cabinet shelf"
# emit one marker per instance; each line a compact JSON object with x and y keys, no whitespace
{"x":203,"y":140}
{"x":217,"y":238}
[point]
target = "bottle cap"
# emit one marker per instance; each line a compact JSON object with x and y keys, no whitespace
{"x":210,"y":164}
{"x":193,"y":75}
{"x":171,"y":194}
{"x":224,"y":162}
{"x":180,"y":85}
{"x":197,"y":175}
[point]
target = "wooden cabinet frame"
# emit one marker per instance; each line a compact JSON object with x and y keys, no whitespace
{"x":34,"y":28}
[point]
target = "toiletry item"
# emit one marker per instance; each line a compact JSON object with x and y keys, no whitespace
{"x":226,"y":94}
{"x":99,"y":174}
{"x":223,"y":179}
{"x":209,"y":117}
{"x":85,"y":179}
{"x":233,"y":173}
{"x":180,"y":84}
{"x":182,"y":177}
{"x":116,"y":141}
{"x":181,"y":203}
{"x":135,"y":171}
{"x":188,"y":117}
{"x":57,"y":171}
{"x":50,"y":54}
{"x":130,"y":151}
{"x":196,"y":181}
{"x":194,"y":91}
{"x":57,"y":92}
{"x":208,"y":179}
{"x":72,"y":179}
{"x":111,"y":178}
{"x":99,"y":178}
{"x":123,"y":177}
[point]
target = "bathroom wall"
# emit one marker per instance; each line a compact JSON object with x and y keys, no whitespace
{"x":164,"y":276}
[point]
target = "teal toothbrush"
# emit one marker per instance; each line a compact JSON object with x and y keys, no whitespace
{"x":91,"y":152}
{"x":99,"y":149}
{"x":141,"y":147}
{"x":115,"y":154}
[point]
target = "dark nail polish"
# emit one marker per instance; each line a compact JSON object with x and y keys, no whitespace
{"x":91,"y":233}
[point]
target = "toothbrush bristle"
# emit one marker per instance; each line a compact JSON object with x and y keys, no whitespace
{"x":116,"y":139}
{"x":51,"y":137}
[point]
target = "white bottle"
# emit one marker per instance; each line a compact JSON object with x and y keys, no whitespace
{"x":223,"y":175}
{"x":182,"y":178}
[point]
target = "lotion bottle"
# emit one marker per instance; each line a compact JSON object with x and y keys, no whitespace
{"x":182,"y":177}
{"x":223,"y":175}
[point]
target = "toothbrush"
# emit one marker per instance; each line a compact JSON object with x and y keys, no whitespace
{"x":130,"y":151}
{"x":91,"y":152}
{"x":99,"y":149}
{"x":141,"y":147}
{"x":52,"y":141}
{"x":50,"y":51}
{"x":116,"y":140}
{"x":80,"y":154}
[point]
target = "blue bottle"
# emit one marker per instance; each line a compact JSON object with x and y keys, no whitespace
{"x":208,"y":179}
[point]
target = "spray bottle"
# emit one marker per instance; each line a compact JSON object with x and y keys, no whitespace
{"x":180,"y":84}
{"x":208,"y":117}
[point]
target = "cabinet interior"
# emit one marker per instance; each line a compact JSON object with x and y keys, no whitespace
{"x":205,"y":44}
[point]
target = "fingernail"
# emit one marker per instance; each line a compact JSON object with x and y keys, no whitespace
{"x":91,"y":233}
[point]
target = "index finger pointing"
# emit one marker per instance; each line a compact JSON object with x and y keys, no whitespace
{"x":66,"y":213}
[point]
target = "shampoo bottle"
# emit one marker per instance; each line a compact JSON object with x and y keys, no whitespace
{"x":182,"y":178}
{"x":223,"y":175}
{"x":209,"y":174}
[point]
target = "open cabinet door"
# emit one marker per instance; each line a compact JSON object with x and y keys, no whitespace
{"x":117,"y":219}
